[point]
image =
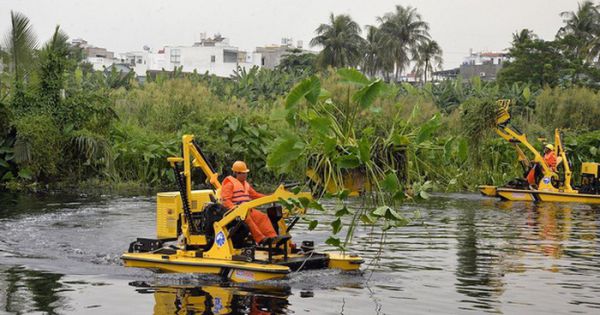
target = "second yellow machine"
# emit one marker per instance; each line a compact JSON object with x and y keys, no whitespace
{"x":550,"y":185}
{"x":196,"y":234}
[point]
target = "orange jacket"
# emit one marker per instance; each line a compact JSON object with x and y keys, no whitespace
{"x":550,"y":159}
{"x":234,"y":192}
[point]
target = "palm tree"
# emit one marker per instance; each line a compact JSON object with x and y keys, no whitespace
{"x":375,"y":58}
{"x":428,"y":57}
{"x":20,"y":43}
{"x":402,"y":31}
{"x":583,"y":27}
{"x":522,"y":37}
{"x":53,"y":61}
{"x":341,"y":41}
{"x":580,"y":36}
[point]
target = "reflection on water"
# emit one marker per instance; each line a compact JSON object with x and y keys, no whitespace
{"x":466,"y":254}
{"x":27,"y":291}
{"x":215,"y":299}
{"x":475,"y":274}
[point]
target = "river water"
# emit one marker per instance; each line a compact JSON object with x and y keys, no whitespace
{"x":59,"y":254}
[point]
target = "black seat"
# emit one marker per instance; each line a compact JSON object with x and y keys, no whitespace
{"x":275,"y":214}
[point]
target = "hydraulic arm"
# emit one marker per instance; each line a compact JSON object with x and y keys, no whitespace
{"x":516,"y":137}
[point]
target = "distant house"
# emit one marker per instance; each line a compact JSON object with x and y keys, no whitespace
{"x":119,"y":68}
{"x":445,"y":74}
{"x":271,"y":55}
{"x":98,"y":57}
{"x":483,"y":64}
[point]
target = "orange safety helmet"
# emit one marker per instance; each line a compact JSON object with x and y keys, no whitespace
{"x":240,"y":167}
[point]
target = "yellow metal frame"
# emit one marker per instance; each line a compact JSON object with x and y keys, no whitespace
{"x":192,"y":158}
{"x":218,"y":257}
{"x":506,"y":132}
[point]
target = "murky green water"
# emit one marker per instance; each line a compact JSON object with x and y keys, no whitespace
{"x":59,"y":255}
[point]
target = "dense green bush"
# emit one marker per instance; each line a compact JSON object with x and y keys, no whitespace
{"x":38,"y":147}
{"x":572,"y":108}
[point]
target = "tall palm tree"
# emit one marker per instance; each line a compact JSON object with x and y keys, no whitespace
{"x":341,"y":41}
{"x":525,"y":35}
{"x":372,"y":62}
{"x":402,"y":31}
{"x":428,"y":57}
{"x":580,"y":37}
{"x":53,"y":62}
{"x":20,"y":43}
{"x":583,"y":26}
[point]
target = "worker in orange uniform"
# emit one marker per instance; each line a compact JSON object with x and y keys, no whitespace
{"x":550,"y":157}
{"x":550,"y":160}
{"x":235,"y":191}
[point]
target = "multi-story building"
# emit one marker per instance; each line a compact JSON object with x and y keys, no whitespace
{"x":483,"y":64}
{"x":210,"y":55}
{"x":271,"y":54}
{"x":100,"y":58}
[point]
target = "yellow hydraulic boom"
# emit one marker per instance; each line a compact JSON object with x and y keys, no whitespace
{"x":514,"y":136}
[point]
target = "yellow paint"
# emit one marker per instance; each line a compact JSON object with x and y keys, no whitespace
{"x":515,"y":194}
{"x":568,"y":197}
{"x":590,"y":168}
{"x":344,"y":261}
{"x":488,"y":190}
{"x":547,"y":196}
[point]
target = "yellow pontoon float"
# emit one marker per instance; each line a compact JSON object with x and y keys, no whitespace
{"x":551,"y":187}
{"x":196,"y":234}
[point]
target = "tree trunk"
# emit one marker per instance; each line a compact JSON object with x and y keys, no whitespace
{"x":426,"y":68}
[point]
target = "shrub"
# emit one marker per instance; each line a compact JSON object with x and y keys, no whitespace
{"x":38,"y":146}
{"x":572,"y":108}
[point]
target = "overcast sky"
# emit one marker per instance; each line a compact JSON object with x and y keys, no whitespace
{"x":125,"y":25}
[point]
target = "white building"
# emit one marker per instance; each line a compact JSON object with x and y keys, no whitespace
{"x":482,"y":58}
{"x":98,"y":57}
{"x":484,"y":65}
{"x":213,"y":55}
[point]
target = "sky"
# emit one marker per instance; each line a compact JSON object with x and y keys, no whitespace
{"x":127,"y":25}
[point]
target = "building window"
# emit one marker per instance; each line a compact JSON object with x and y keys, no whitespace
{"x":139,"y":60}
{"x":262,"y":61}
{"x":175,"y":56}
{"x":230,"y":56}
{"x":213,"y":58}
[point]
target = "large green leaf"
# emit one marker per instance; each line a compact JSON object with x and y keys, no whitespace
{"x":364,"y":149}
{"x":329,"y":144}
{"x":368,"y":218}
{"x":400,"y":140}
{"x":333,"y":241}
{"x":387,"y":212}
{"x":313,"y":204}
{"x":320,"y":124}
{"x":336,"y":225}
{"x":25,"y":173}
{"x":284,"y":151}
{"x":367,"y":95}
{"x":309,"y":88}
{"x":347,"y":161}
{"x":390,"y":183}
{"x":342,"y":212}
{"x":428,"y":128}
{"x":353,"y":76}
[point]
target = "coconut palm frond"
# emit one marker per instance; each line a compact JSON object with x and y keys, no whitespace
{"x":20,"y":43}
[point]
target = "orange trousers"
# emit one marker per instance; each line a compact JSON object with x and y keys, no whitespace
{"x":260,"y":225}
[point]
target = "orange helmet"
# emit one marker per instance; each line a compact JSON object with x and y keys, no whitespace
{"x":240,"y":167}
